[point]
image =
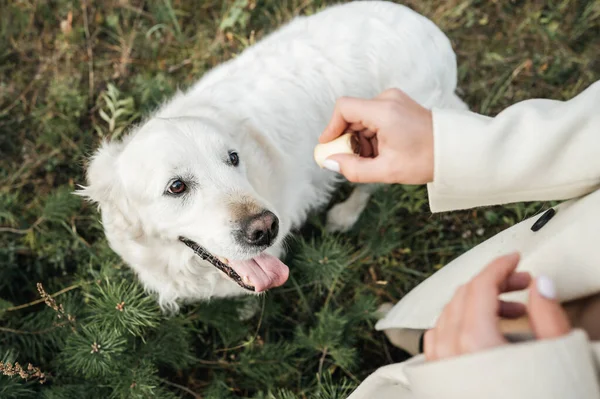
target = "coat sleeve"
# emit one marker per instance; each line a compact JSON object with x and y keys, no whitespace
{"x":559,"y":368}
{"x":535,"y":150}
{"x":551,"y":369}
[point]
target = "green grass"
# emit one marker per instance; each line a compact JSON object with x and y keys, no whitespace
{"x":73,"y":72}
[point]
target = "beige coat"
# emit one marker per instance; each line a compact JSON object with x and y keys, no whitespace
{"x":536,"y":150}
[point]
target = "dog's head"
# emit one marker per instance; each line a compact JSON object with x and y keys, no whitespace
{"x":177,"y":205}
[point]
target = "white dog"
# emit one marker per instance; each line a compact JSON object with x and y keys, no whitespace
{"x":199,"y":198}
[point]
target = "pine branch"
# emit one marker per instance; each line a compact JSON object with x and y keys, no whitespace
{"x":47,"y":330}
{"x":37,"y":301}
{"x":30,"y":372}
{"x":51,"y":302}
{"x":181,"y":387}
{"x":171,"y":344}
{"x":93,"y":352}
{"x":123,"y":307}
{"x":327,"y":388}
{"x":253,"y":338}
{"x":61,"y":205}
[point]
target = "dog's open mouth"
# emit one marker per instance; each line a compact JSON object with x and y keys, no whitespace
{"x":257,"y":274}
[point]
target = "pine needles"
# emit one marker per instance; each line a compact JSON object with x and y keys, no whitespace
{"x":93,"y":352}
{"x":123,"y":307}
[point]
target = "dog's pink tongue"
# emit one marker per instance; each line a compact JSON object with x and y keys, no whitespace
{"x":263,"y":272}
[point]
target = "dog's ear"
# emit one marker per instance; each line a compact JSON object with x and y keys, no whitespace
{"x":102,"y":182}
{"x":105,"y":188}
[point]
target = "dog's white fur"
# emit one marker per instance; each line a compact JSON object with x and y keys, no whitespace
{"x":269,"y":104}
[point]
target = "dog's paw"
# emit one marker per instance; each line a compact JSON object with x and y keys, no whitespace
{"x":344,"y":215}
{"x":341,"y":217}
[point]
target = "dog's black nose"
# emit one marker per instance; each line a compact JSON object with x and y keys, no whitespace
{"x":260,"y":230}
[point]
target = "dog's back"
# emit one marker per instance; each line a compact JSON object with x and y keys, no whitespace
{"x":285,"y":86}
{"x":355,"y":49}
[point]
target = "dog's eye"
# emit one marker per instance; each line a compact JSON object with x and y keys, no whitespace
{"x":177,"y":187}
{"x":234,"y":158}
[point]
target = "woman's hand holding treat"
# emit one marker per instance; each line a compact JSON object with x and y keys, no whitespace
{"x":394,"y":135}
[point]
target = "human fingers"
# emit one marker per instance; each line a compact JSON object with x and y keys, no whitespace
{"x":517,"y":281}
{"x":449,"y":326}
{"x":547,"y":317}
{"x":358,"y":169}
{"x":351,"y":110}
{"x":511,"y":310}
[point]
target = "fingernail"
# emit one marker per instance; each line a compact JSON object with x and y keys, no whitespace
{"x":545,"y":287}
{"x":331,"y":165}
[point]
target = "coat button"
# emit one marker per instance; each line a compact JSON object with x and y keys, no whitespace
{"x":545,"y":218}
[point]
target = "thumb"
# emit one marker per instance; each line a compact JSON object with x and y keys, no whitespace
{"x":355,"y":168}
{"x":548,"y":319}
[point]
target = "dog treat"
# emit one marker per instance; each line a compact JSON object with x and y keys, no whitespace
{"x":515,"y":329}
{"x":345,"y":144}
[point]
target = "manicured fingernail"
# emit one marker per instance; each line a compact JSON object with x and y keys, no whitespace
{"x":331,"y":165}
{"x":545,"y":287}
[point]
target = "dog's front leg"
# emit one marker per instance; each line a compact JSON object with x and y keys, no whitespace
{"x":345,"y":214}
